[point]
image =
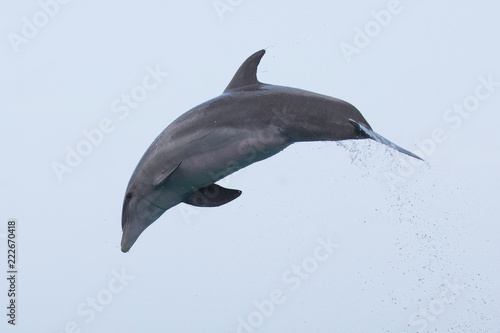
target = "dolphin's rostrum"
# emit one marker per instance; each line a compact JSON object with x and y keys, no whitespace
{"x":249,"y":122}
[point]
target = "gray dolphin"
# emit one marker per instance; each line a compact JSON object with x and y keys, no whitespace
{"x":249,"y":122}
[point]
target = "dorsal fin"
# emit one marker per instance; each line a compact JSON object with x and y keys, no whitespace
{"x":247,"y":73}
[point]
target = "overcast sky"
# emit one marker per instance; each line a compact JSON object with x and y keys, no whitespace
{"x":326,"y":237}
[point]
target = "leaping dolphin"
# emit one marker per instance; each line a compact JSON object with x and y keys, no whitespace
{"x":249,"y":122}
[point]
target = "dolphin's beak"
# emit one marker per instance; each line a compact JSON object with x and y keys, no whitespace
{"x":379,"y":138}
{"x":127,"y":240}
{"x":134,"y":223}
{"x":131,"y":232}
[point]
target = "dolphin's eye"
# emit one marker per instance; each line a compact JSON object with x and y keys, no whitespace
{"x":128,"y":196}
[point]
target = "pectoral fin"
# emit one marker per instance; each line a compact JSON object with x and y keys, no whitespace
{"x":163,"y":176}
{"x":212,"y":196}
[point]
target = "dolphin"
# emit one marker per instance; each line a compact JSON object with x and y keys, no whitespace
{"x":249,"y":122}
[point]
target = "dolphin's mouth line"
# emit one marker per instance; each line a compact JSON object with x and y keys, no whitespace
{"x":155,"y":205}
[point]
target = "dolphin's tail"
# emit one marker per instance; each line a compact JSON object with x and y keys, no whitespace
{"x":379,"y":138}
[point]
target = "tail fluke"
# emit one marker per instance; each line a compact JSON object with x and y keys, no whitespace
{"x":379,"y":138}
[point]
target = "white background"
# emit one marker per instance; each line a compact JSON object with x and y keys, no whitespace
{"x":405,"y":231}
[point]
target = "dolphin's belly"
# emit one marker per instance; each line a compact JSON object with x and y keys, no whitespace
{"x":226,"y":150}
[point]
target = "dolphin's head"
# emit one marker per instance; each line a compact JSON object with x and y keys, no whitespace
{"x":150,"y":192}
{"x":140,"y":209}
{"x":148,"y":196}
